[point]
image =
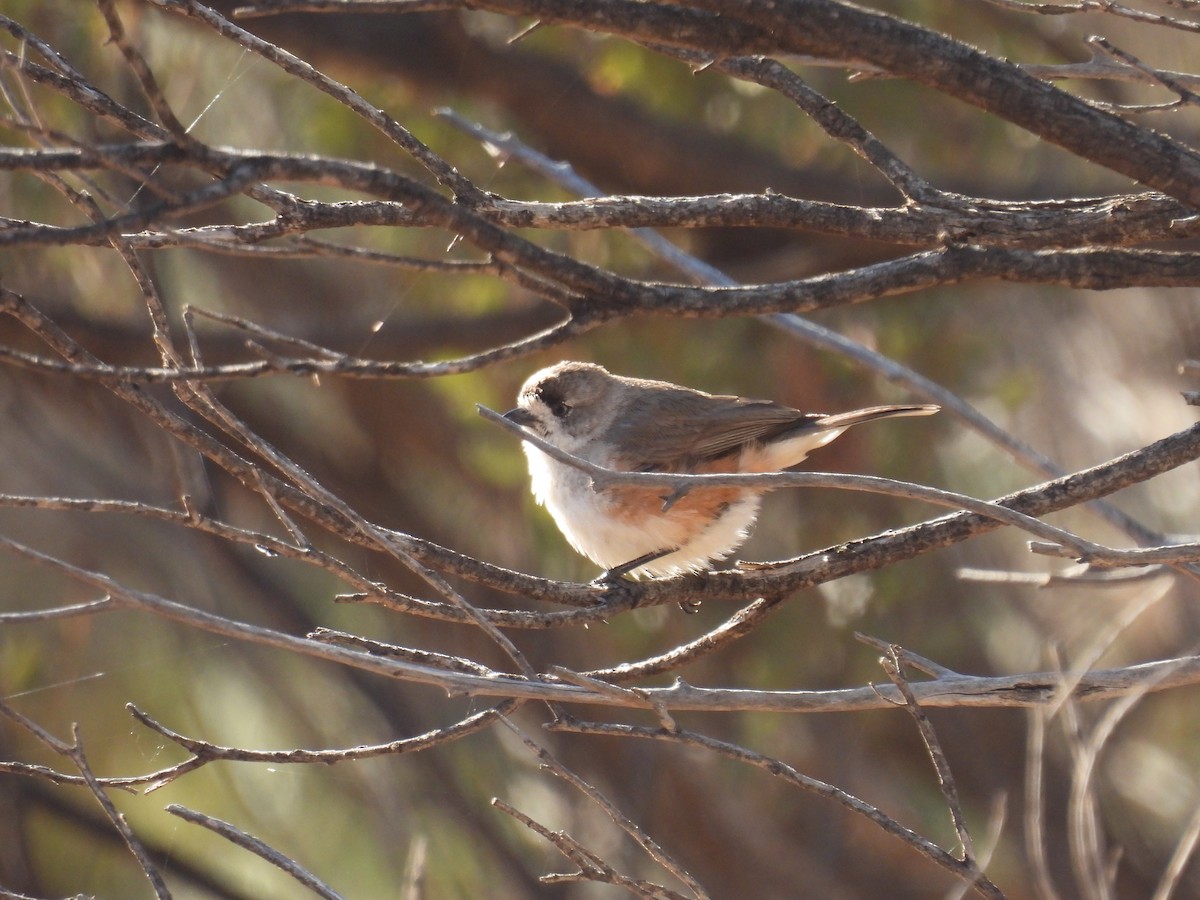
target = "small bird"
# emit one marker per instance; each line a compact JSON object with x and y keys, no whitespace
{"x":638,"y":425}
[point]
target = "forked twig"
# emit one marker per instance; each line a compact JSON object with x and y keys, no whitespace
{"x":635,"y":831}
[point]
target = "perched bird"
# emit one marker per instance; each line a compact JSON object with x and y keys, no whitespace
{"x":638,"y":425}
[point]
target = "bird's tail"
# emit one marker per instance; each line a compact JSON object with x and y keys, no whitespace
{"x":870,"y":414}
{"x":790,"y":448}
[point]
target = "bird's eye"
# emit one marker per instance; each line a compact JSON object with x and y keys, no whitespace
{"x":554,"y":402}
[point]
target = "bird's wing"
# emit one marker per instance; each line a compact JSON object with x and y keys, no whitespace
{"x":689,"y":428}
{"x":692,"y":427}
{"x":740,"y":422}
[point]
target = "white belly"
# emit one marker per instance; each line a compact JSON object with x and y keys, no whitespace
{"x":588,"y":521}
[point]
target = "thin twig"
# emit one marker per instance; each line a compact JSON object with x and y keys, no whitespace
{"x":1185,"y":851}
{"x":591,"y":866}
{"x":74,"y":752}
{"x":893,"y":668}
{"x":298,"y":68}
{"x":1035,"y":803}
{"x":631,"y":828}
{"x":790,"y":775}
{"x":258,"y":847}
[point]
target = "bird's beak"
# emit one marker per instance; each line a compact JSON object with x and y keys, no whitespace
{"x":521,"y":416}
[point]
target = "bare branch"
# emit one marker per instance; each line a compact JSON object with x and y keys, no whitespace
{"x":648,"y":844}
{"x":74,"y":752}
{"x":833,"y":30}
{"x":893,"y":668}
{"x":1104,"y":6}
{"x":257,"y":847}
{"x":788,"y":774}
{"x":591,"y":866}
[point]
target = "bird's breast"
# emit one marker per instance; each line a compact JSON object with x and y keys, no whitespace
{"x":614,"y":526}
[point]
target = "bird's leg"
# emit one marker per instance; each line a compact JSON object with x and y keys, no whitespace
{"x":613,"y":577}
{"x":616,"y":573}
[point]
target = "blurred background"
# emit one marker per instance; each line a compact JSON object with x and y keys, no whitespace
{"x":1080,"y":376}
